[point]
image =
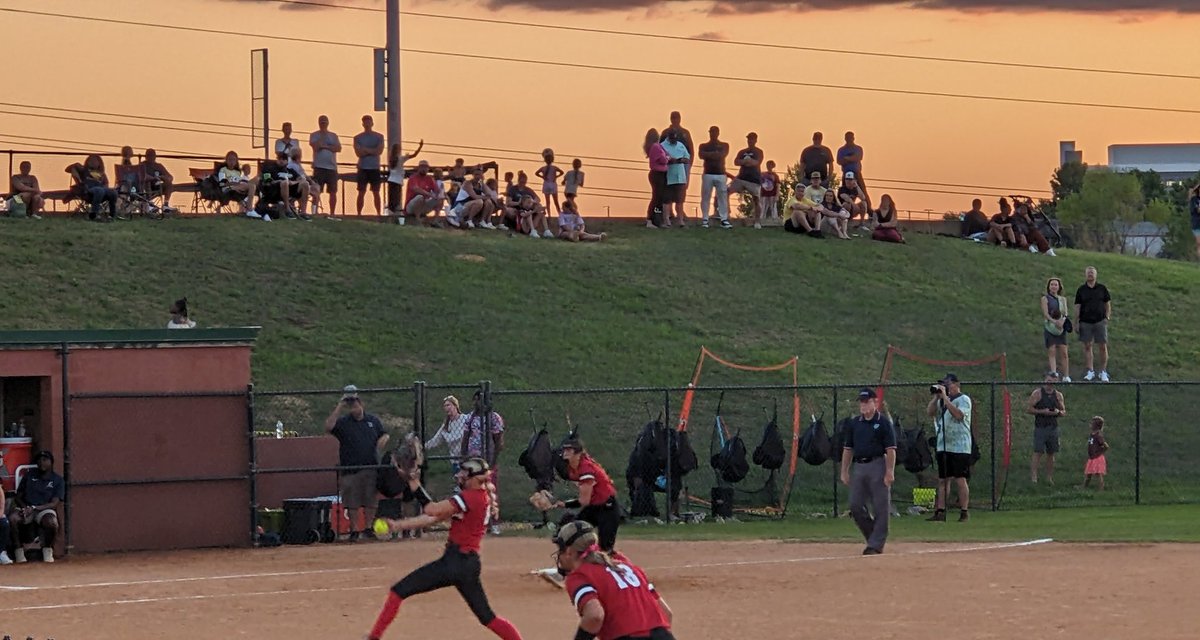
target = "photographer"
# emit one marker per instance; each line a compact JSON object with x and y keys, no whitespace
{"x":361,"y":440}
{"x":1046,"y":406}
{"x":951,"y":410}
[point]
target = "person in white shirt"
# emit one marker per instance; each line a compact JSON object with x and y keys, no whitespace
{"x":395,"y":180}
{"x":571,"y":226}
{"x":179,"y":316}
{"x":285,"y":144}
{"x":451,"y":431}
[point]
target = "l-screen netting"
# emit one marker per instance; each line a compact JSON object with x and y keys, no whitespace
{"x":904,"y":389}
{"x":733,"y":399}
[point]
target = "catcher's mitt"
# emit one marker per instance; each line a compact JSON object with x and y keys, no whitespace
{"x":542,"y":500}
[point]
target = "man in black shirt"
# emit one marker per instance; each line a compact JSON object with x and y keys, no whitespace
{"x":1093,"y":307}
{"x":975,"y":221}
{"x":817,"y":157}
{"x":870,"y":441}
{"x":714,"y":153}
{"x":361,"y":440}
{"x":37,"y":500}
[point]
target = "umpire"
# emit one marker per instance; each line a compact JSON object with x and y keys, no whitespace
{"x":870,"y":441}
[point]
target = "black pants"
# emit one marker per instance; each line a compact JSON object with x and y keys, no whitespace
{"x":97,"y":196}
{"x":658,"y":183}
{"x":606,"y":518}
{"x":454,"y":569}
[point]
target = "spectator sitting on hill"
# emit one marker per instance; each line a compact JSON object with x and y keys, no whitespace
{"x":179,"y":316}
{"x":422,"y":197}
{"x":472,"y":208}
{"x":1028,"y":234}
{"x":492,"y":195}
{"x":530,"y":213}
{"x":1001,"y":228}
{"x":833,"y":215}
{"x":975,"y":225}
{"x":91,"y":177}
{"x":805,"y":213}
{"x":234,"y":184}
{"x":25,"y":186}
{"x":156,"y":178}
{"x":853,"y":201}
{"x":571,"y":225}
{"x":300,"y":185}
{"x":886,"y":229}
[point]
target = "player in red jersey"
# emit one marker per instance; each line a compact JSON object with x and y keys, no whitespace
{"x":470,"y":511}
{"x":614,"y":598}
{"x":597,"y":501}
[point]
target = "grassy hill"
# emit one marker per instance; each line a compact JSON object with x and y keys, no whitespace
{"x":383,"y":305}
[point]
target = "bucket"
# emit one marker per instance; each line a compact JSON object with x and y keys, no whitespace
{"x":14,"y":452}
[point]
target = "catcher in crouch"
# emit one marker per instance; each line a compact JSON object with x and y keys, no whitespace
{"x":469,"y":511}
{"x":597,"y":501}
{"x":614,"y":598}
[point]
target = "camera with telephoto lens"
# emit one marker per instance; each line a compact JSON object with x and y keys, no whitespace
{"x":936,"y":388}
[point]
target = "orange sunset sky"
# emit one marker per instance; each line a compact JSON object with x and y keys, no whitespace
{"x":141,"y":71}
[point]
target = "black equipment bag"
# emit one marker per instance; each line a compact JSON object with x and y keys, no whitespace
{"x":917,"y":456}
{"x":815,"y":446}
{"x":730,"y":462}
{"x":538,"y":460}
{"x":769,"y":454}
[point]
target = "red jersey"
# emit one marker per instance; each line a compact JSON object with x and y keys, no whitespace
{"x":629,"y":599}
{"x":425,"y":182}
{"x":473,"y":512}
{"x":590,"y":471}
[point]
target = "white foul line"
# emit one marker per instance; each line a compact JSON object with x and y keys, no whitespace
{"x":989,"y":547}
{"x":74,"y":605}
{"x":238,"y":576}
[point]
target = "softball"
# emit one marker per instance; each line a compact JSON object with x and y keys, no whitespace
{"x":381,"y":527}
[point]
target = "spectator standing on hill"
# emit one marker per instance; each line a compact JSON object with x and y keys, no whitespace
{"x":714,"y":153}
{"x":953,"y":441}
{"x":1055,"y":315}
{"x":361,"y":442}
{"x":770,"y":192}
{"x":677,"y":169}
{"x":887,"y":229}
{"x":817,"y":157}
{"x":549,"y":175}
{"x":1093,"y":308}
{"x":573,"y":179}
{"x":749,"y":178}
{"x":870,"y":442}
{"x":483,"y":437}
{"x":975,"y":224}
{"x":1046,"y":406}
{"x":325,"y":145}
{"x":1000,"y":229}
{"x":369,"y":146}
{"x":25,"y":185}
{"x":287,"y":142}
{"x":850,"y":158}
{"x":685,"y":137}
{"x":1193,"y":208}
{"x":395,"y":180}
{"x":659,"y":161}
{"x":450,"y":433}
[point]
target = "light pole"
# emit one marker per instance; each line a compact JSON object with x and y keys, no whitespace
{"x":393,"y":73}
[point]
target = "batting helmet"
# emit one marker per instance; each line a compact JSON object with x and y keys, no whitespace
{"x":576,"y":535}
{"x":475,"y":467}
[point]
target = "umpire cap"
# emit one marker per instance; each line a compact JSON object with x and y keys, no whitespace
{"x":577,"y":535}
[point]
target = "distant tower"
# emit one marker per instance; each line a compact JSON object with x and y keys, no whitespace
{"x":1067,"y":153}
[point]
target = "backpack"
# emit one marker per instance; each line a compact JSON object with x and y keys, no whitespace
{"x":917,"y":456}
{"x":538,"y":459}
{"x":902,"y":445}
{"x":730,"y":461}
{"x":769,"y":453}
{"x":561,"y":466}
{"x":685,"y":456}
{"x":815,"y":445}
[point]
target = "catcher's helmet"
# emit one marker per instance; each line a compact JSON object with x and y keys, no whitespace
{"x":577,"y":534}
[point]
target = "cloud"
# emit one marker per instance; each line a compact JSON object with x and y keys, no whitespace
{"x":710,"y":35}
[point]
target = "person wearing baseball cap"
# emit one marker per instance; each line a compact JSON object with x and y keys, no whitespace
{"x":953,"y":439}
{"x":423,"y":195}
{"x":853,"y":200}
{"x":361,"y":441}
{"x":37,"y":500}
{"x":805,"y":213}
{"x":870,"y":443}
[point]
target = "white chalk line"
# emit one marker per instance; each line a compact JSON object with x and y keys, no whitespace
{"x":744,"y":563}
{"x":237,"y":576}
{"x":106,"y":603}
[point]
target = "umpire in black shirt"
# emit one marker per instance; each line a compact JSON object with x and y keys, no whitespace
{"x":870,"y":441}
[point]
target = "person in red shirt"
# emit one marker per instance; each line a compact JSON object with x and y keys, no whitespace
{"x":469,"y":512}
{"x":597,"y":501}
{"x":613,"y":597}
{"x":423,"y":195}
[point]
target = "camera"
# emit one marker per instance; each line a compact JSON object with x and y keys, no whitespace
{"x":936,"y":388}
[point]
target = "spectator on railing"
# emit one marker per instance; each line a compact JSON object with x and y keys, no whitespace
{"x":749,"y":178}
{"x":25,"y":185}
{"x":450,"y":433}
{"x":1046,"y":406}
{"x":285,"y":144}
{"x":369,"y":147}
{"x":179,"y":316}
{"x":156,"y":178}
{"x":325,"y":145}
{"x":1056,"y":314}
{"x":887,"y":228}
{"x":474,"y":444}
{"x":235,"y":185}
{"x":361,"y":442}
{"x":94,"y":182}
{"x":853,"y":201}
{"x":817,"y":158}
{"x":34,"y":518}
{"x":571,"y":225}
{"x":975,"y":224}
{"x":395,"y":180}
{"x":1000,"y":229}
{"x":833,"y":215}
{"x":423,"y":195}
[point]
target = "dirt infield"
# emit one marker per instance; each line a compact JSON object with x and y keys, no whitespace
{"x":719,"y":590}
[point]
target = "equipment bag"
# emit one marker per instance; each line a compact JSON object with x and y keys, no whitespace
{"x":917,"y":456}
{"x":730,"y":462}
{"x":538,"y":460}
{"x":769,"y":453}
{"x":815,"y":445}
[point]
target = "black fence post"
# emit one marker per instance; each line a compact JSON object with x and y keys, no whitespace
{"x":252,"y":472}
{"x":666,"y":423}
{"x":1137,"y":439}
{"x":485,"y":438}
{"x":64,"y":352}
{"x":837,"y":455}
{"x":992,"y":419}
{"x":419,"y":419}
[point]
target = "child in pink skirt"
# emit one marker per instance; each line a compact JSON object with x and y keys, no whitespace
{"x":1097,"y":465}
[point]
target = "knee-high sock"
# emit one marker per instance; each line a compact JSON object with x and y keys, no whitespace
{"x":504,"y":629}
{"x":386,"y":615}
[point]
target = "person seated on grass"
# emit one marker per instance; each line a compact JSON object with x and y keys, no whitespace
{"x":25,"y":186}
{"x":1027,"y":233}
{"x":491,"y":193}
{"x":804,"y":214}
{"x":94,"y":189}
{"x":571,"y":225}
{"x":34,"y":514}
{"x":853,"y":201}
{"x":886,"y":229}
{"x":531,"y":215}
{"x":834,"y":216}
{"x":1001,"y":230}
{"x":975,"y":225}
{"x":422,"y":195}
{"x":471,"y":208}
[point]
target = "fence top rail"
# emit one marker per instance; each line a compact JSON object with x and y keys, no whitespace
{"x":324,"y":392}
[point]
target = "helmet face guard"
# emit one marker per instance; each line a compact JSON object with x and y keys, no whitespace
{"x":474,"y":467}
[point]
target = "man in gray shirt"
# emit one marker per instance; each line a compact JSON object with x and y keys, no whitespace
{"x":325,"y":145}
{"x":368,"y":146}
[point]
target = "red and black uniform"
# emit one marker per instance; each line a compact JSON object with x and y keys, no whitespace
{"x":631,"y":608}
{"x":602,"y":510}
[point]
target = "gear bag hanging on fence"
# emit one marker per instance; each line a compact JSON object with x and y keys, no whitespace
{"x":538,"y":460}
{"x":730,"y":461}
{"x":560,"y":464}
{"x":815,"y":446}
{"x":917,"y":456}
{"x":769,"y":453}
{"x":685,"y":456}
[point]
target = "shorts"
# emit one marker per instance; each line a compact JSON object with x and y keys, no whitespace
{"x":1045,"y":440}
{"x":657,"y":633}
{"x":371,"y":177}
{"x":1052,"y":340}
{"x":792,"y":227}
{"x":953,"y":465}
{"x":326,"y":179}
{"x":1094,"y":332}
{"x":672,"y":193}
{"x":34,"y":518}
{"x":454,"y":569}
{"x":606,"y":518}
{"x":358,"y":489}
{"x":741,"y":186}
{"x":549,"y":188}
{"x":420,"y":206}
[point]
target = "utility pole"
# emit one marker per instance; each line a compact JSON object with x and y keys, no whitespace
{"x":393,"y":73}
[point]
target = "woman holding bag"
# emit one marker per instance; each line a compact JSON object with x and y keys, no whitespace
{"x":1056,"y":326}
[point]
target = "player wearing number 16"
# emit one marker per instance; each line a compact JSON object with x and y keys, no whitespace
{"x":614,"y":598}
{"x":469,"y":512}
